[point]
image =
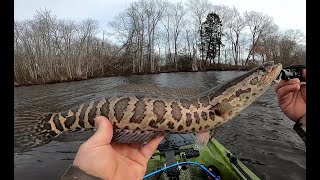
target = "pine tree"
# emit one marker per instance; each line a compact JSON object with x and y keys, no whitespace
{"x":210,"y":34}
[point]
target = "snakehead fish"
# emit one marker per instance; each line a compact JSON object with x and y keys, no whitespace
{"x":142,"y":113}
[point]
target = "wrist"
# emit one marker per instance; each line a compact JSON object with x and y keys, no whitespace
{"x":301,"y":127}
{"x":74,"y":172}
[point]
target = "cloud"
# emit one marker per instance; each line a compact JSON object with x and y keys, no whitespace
{"x":286,"y":13}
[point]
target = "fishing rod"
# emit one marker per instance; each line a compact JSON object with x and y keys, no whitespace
{"x":292,"y":72}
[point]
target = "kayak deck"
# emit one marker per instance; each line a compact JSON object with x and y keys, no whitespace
{"x":212,"y":154}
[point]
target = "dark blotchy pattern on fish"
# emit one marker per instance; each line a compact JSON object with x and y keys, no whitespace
{"x":142,"y":117}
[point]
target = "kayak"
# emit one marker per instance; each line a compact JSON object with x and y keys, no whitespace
{"x":214,"y":155}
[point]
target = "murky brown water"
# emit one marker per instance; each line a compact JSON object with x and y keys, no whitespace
{"x":261,"y":136}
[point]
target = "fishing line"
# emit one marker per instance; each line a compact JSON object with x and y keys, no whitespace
{"x":180,"y":163}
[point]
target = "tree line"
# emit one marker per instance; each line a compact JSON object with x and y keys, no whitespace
{"x":150,"y":36}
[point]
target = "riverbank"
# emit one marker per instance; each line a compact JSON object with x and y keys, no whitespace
{"x":221,"y":67}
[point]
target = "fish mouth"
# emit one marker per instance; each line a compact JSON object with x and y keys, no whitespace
{"x":276,"y":69}
{"x":274,"y":72}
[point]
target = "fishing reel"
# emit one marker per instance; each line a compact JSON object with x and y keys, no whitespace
{"x":292,"y":72}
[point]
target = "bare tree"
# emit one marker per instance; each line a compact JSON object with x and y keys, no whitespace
{"x":148,"y":34}
{"x":177,"y":28}
{"x":126,"y":29}
{"x":295,"y":35}
{"x":260,"y":25}
{"x":234,"y":26}
{"x":48,"y":49}
{"x":285,"y":48}
{"x":198,"y":10}
{"x":165,"y":21}
{"x":153,"y":10}
{"x":173,"y":23}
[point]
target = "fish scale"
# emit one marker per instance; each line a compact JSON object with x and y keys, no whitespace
{"x":139,"y":113}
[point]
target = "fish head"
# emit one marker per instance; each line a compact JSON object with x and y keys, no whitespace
{"x":265,"y":74}
{"x":262,"y":76}
{"x":240,"y":92}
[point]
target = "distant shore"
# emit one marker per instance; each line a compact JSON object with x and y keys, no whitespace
{"x":221,"y":67}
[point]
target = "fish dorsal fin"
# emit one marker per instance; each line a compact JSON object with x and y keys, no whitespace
{"x":156,"y":90}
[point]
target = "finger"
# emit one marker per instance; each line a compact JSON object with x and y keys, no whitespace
{"x":148,"y":150}
{"x":285,"y":83}
{"x":104,"y":133}
{"x":285,"y":90}
{"x":304,"y":74}
{"x":303,"y":91}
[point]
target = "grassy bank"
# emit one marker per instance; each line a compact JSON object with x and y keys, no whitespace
{"x":221,"y":67}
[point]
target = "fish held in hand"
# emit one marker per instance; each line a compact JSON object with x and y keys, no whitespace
{"x":139,"y":113}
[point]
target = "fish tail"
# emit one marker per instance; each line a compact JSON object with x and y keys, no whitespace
{"x":32,"y":130}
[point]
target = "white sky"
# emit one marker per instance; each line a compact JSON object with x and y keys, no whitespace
{"x":287,"y":14}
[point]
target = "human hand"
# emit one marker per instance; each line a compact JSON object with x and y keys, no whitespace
{"x":291,"y":96}
{"x":100,"y":157}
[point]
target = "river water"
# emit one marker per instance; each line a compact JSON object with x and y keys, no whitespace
{"x":261,"y":135}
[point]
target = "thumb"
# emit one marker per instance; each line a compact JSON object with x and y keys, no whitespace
{"x":104,"y":133}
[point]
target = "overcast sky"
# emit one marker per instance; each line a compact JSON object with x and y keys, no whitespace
{"x":287,"y":14}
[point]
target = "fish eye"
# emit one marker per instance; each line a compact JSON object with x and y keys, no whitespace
{"x":263,"y":69}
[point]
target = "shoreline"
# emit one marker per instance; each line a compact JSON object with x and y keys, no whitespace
{"x":220,"y":68}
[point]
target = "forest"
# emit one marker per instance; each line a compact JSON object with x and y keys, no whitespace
{"x":150,"y":36}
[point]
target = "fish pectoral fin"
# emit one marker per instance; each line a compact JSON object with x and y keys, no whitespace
{"x":223,"y":110}
{"x":201,"y":139}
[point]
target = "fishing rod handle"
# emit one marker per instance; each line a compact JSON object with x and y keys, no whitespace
{"x":292,"y":72}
